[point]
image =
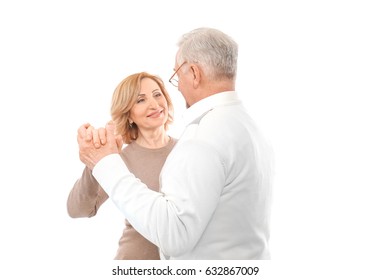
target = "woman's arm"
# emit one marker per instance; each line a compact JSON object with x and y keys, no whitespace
{"x":86,"y":196}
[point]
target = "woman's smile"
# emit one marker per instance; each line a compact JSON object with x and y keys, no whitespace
{"x":156,"y":114}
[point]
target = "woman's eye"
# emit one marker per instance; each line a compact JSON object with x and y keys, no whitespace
{"x":140,"y":100}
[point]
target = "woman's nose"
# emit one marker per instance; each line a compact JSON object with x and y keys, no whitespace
{"x":153,"y":103}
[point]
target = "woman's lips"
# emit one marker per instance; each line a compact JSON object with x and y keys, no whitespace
{"x":155,"y":114}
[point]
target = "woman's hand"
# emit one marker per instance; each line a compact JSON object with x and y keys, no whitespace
{"x":94,"y":144}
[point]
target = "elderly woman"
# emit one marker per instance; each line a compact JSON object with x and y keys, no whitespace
{"x":141,"y":110}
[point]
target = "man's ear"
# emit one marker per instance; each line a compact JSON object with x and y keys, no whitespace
{"x":197,"y":75}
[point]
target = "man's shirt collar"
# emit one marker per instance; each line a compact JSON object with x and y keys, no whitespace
{"x":207,"y":104}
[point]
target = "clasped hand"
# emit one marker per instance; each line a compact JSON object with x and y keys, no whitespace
{"x":94,"y":144}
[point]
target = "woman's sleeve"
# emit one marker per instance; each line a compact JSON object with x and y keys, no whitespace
{"x":86,"y":196}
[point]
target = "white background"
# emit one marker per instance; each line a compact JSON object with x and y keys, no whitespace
{"x":304,"y":74}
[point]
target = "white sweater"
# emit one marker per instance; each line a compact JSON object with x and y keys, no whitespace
{"x":215,"y":187}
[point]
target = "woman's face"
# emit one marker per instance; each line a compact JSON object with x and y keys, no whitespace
{"x":150,"y":110}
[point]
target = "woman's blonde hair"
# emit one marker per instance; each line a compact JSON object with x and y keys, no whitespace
{"x":124,"y":98}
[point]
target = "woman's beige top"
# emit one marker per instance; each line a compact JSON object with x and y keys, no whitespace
{"x":87,"y":196}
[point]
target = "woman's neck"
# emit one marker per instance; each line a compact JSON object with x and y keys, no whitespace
{"x":153,"y":139}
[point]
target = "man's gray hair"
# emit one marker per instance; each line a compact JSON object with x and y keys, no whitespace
{"x":213,"y":50}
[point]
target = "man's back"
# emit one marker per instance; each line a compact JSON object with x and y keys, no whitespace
{"x":228,"y":170}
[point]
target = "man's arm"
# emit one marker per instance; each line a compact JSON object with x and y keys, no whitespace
{"x":175,"y":219}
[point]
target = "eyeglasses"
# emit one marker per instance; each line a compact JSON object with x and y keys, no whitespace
{"x":174,"y":81}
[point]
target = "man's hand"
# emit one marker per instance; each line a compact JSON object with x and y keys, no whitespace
{"x":95,"y":144}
